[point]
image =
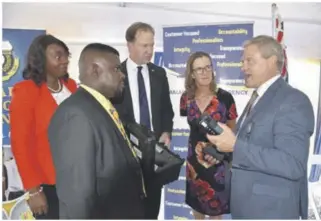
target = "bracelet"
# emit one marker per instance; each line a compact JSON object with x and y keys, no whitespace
{"x":36,"y":193}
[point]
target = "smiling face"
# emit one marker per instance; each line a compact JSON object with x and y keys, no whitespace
{"x":257,"y":69}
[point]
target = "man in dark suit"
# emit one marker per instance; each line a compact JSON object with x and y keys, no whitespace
{"x":97,"y":172}
{"x":146,"y":98}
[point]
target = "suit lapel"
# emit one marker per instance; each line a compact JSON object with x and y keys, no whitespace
{"x":238,"y":124}
{"x":47,"y":105}
{"x":99,"y":108}
{"x":154,"y":85}
{"x":109,"y":122}
{"x":70,"y":86}
{"x":262,"y":103}
{"x":127,"y":95}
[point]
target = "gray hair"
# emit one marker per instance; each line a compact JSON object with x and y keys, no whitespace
{"x":268,"y":47}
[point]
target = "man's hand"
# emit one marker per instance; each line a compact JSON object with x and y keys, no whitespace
{"x":165,"y":138}
{"x":225,"y":141}
{"x":37,"y":201}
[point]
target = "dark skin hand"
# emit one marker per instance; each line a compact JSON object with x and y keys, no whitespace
{"x":38,"y":202}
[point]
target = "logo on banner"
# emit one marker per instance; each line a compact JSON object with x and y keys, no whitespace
{"x":10,"y":62}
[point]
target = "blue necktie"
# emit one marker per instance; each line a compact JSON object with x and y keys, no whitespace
{"x":143,"y":102}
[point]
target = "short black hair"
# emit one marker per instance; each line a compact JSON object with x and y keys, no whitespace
{"x":100,"y":48}
{"x":36,"y":58}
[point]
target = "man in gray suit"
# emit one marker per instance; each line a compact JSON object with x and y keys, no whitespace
{"x":271,"y":145}
{"x":98,"y":176}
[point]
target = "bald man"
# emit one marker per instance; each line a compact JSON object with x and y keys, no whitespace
{"x":98,"y":175}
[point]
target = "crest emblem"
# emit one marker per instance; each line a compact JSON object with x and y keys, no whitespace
{"x":10,"y":62}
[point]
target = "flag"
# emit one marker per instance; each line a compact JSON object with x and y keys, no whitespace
{"x":279,"y":36}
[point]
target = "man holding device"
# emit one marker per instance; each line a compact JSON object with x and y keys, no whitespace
{"x":271,"y":145}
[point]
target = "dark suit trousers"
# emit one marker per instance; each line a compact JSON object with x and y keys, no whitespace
{"x":152,"y":202}
{"x":53,"y":203}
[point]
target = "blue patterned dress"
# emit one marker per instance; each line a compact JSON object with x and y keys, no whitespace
{"x":205,"y":184}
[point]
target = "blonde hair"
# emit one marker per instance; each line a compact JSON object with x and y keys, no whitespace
{"x":190,"y":85}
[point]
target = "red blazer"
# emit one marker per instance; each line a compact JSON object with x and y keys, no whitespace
{"x":31,"y":109}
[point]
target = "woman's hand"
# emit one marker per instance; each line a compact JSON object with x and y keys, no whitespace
{"x":38,"y":201}
{"x":211,"y":159}
{"x":204,"y":159}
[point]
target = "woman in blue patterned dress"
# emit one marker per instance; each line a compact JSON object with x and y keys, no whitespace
{"x":205,"y":181}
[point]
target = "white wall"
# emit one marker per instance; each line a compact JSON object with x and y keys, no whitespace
{"x":76,"y":48}
{"x":86,"y":22}
{"x":305,"y":75}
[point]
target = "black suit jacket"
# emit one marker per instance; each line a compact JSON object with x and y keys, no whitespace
{"x":97,"y":176}
{"x":162,"y":110}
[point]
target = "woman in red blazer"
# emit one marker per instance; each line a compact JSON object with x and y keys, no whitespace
{"x":34,"y":100}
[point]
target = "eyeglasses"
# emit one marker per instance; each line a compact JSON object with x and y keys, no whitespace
{"x":201,"y":70}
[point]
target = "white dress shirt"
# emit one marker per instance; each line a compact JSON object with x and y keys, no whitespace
{"x":62,"y":95}
{"x":134,"y":91}
{"x":260,"y":91}
{"x":264,"y":87}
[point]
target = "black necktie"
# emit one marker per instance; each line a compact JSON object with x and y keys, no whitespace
{"x":143,"y":102}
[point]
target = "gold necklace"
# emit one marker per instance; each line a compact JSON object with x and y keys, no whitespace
{"x":203,"y":97}
{"x":55,"y":91}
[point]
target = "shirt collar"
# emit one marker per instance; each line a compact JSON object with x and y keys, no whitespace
{"x":265,"y":86}
{"x":95,"y":93}
{"x":131,"y":65}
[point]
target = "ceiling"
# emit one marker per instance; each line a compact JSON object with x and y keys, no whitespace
{"x":302,"y":20}
{"x":292,"y":12}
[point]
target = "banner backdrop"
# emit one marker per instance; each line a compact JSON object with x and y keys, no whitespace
{"x":15,"y":44}
{"x":224,"y":44}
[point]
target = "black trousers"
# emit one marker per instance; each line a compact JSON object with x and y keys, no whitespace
{"x":152,"y":202}
{"x":53,"y":203}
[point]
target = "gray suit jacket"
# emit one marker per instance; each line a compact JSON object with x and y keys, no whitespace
{"x":269,"y":168}
{"x":97,"y":176}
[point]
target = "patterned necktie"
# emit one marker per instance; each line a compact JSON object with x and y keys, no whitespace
{"x":143,"y":102}
{"x":248,"y":108}
{"x":121,"y":128}
{"x":115,"y":116}
{"x":250,"y":103}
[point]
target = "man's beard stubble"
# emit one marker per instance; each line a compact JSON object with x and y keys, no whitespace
{"x":119,"y":96}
